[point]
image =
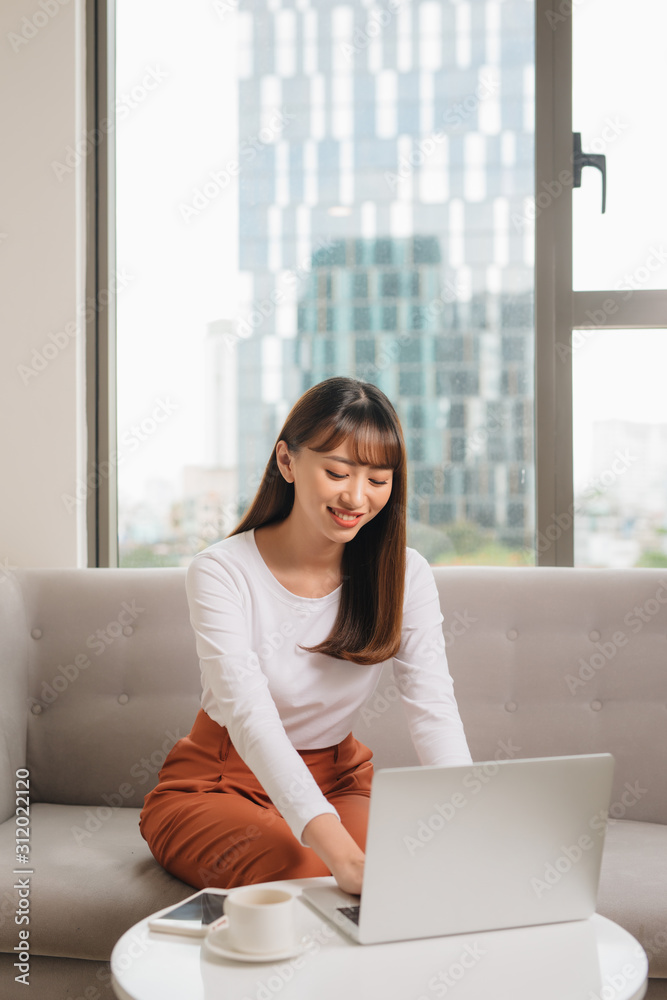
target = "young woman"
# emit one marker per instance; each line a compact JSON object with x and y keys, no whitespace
{"x":294,"y":614}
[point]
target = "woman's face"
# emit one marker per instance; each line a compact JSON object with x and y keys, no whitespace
{"x":332,"y":493}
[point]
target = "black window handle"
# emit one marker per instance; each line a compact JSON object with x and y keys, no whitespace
{"x":581,"y":160}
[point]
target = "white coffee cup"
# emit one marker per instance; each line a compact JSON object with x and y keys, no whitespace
{"x":261,"y":920}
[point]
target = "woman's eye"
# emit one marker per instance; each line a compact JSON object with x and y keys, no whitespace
{"x":342,"y":475}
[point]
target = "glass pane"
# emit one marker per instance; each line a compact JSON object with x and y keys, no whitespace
{"x":620,"y":447}
{"x":327,"y":190}
{"x":177,"y":243}
{"x":618,"y":106}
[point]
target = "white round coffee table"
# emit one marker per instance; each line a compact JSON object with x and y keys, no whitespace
{"x":592,"y":959}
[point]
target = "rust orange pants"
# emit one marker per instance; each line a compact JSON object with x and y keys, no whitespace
{"x":209,"y":822}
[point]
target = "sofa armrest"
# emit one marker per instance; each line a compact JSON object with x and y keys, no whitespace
{"x":14,"y":700}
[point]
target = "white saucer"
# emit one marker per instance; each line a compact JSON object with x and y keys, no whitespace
{"x":217,"y":941}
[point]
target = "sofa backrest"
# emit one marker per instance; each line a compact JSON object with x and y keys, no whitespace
{"x":545,"y":662}
{"x":113,"y":681}
{"x":13,"y":659}
{"x":551,"y":661}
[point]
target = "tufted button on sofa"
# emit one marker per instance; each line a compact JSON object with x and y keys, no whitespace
{"x":100,"y":678}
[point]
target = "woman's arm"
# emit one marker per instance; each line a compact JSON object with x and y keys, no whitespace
{"x":341,"y":854}
{"x":422,"y":673}
{"x":231,"y":672}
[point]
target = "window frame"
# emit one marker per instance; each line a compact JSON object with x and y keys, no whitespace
{"x":100,"y":369}
{"x":554,"y":455}
{"x":556,"y":307}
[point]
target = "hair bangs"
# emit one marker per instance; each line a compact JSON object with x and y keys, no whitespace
{"x":373,"y":440}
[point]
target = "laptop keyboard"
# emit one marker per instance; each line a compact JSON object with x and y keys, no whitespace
{"x":351,"y":912}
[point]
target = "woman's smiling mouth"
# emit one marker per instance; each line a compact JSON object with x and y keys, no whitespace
{"x":346,"y":519}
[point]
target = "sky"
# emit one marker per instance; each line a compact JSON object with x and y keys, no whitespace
{"x":183,"y":271}
{"x":177,"y":126}
{"x":619,"y":374}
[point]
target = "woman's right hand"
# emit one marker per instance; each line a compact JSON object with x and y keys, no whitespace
{"x":349,"y":875}
{"x":341,"y":854}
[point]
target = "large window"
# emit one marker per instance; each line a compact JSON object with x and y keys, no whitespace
{"x":315,"y":190}
{"x":620,"y":404}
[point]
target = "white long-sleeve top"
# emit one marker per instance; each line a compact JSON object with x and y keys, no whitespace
{"x":275,"y":698}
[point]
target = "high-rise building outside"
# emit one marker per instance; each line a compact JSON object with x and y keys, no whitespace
{"x":386,"y":158}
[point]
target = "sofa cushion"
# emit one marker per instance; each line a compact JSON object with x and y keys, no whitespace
{"x":92,"y":860}
{"x":113,"y":680}
{"x":94,"y":876}
{"x":633,"y":886}
{"x":57,"y":979}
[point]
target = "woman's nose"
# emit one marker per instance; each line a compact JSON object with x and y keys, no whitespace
{"x":353,"y":494}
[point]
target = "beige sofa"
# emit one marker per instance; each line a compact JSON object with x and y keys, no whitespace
{"x":100,"y":677}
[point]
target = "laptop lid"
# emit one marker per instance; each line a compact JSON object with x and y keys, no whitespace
{"x":484,"y":846}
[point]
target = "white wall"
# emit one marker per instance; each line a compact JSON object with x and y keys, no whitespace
{"x":42,"y":245}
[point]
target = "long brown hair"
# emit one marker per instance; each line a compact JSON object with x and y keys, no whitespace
{"x":370,"y":614}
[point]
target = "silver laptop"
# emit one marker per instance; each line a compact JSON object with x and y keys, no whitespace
{"x":450,"y":850}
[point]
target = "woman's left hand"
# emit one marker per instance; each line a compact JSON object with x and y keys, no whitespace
{"x":341,"y":854}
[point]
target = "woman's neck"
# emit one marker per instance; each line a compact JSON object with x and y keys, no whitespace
{"x":307,"y":567}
